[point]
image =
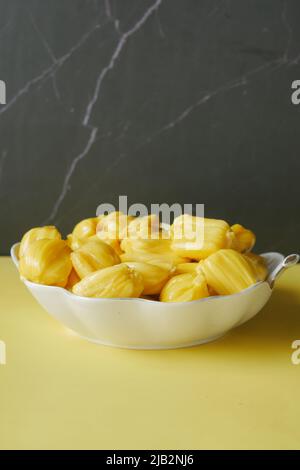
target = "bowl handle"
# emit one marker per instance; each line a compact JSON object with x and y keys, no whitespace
{"x":286,"y":263}
{"x":14,"y":253}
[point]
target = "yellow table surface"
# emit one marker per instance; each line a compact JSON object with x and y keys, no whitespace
{"x":58,"y":391}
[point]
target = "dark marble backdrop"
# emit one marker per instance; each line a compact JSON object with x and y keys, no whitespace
{"x":160,"y":100}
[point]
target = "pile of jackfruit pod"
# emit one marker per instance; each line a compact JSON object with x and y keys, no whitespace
{"x":113,"y":256}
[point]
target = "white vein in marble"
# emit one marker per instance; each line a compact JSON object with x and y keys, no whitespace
{"x":51,"y":70}
{"x":90,"y":106}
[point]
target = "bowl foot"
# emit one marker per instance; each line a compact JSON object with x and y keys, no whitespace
{"x":158,"y":347}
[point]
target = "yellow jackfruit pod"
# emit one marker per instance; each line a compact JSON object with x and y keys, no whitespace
{"x":115,"y":244}
{"x":167,"y":260}
{"x":93,"y":255}
{"x":74,"y":243}
{"x":115,"y":281}
{"x":197,"y":237}
{"x":228,"y":271}
{"x":86,"y":228}
{"x":184,"y":288}
{"x":47,"y":262}
{"x":154,"y":277}
{"x":259,"y":265}
{"x":183,"y":268}
{"x":48,"y":232}
{"x":113,"y":226}
{"x":243,"y":240}
{"x":158,"y":247}
{"x":144,"y":227}
{"x":72,"y":279}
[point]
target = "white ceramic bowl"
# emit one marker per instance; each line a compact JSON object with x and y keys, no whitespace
{"x":147,"y":324}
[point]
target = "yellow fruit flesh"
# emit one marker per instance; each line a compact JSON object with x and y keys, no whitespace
{"x":46,"y":262}
{"x":184,"y":288}
{"x":144,"y":227}
{"x":183,"y":268}
{"x":86,"y":228}
{"x":259,"y":265}
{"x":196,"y":237}
{"x":115,"y":244}
{"x":228,"y":272}
{"x":39,"y":233}
{"x":243,"y":240}
{"x":116,"y":281}
{"x":72,"y":279}
{"x":75,"y":243}
{"x":92,"y":256}
{"x":154,"y":277}
{"x":168,"y":261}
{"x":113,"y":226}
{"x":218,"y":263}
{"x":157,"y":247}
